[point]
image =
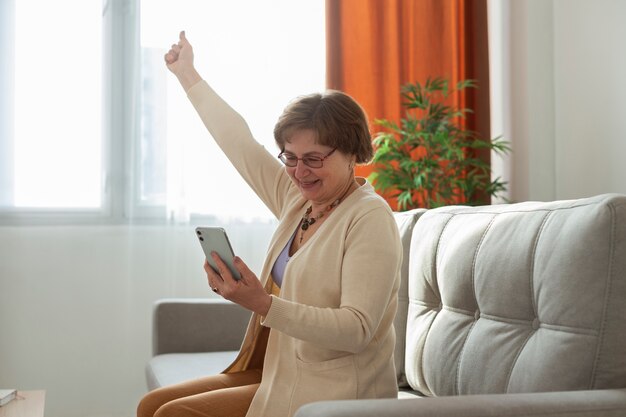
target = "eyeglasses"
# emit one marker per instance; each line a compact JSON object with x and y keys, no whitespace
{"x":310,"y":161}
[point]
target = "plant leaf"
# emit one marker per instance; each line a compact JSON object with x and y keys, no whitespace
{"x":428,"y":155}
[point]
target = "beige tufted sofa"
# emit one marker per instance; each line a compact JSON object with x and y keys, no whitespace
{"x":508,"y":310}
{"x":511,"y":310}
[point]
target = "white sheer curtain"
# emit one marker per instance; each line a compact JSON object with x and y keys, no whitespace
{"x":258,"y":56}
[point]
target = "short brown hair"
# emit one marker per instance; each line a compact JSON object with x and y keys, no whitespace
{"x":336,"y":118}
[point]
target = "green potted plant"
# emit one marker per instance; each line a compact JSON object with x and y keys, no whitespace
{"x":429,"y":159}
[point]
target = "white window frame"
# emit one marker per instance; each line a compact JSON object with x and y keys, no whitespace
{"x":119,"y":99}
{"x":121,"y":95}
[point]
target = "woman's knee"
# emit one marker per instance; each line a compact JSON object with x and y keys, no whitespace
{"x":177,"y":408}
{"x":150,"y":403}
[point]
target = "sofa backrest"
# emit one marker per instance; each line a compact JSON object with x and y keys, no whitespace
{"x":524,"y":297}
{"x":405,"y":221}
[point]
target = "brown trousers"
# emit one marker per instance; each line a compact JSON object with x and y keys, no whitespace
{"x":223,"y":395}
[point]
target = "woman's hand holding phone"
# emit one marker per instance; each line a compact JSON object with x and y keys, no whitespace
{"x":247,"y":291}
{"x":228,"y":275}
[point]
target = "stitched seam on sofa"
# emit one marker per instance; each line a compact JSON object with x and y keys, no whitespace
{"x":607,"y":296}
{"x":421,"y":359}
{"x":424,"y":304}
{"x":532,"y":298}
{"x":462,"y":312}
{"x":530,"y":210}
{"x":546,"y":326}
{"x":572,"y":330}
{"x":507,"y":320}
{"x":457,"y":383}
{"x":531,"y":267}
{"x":423,"y":377}
{"x":458,"y":311}
{"x":436,"y":260}
{"x":517,"y":355}
{"x":478,"y":246}
{"x":435,"y":276}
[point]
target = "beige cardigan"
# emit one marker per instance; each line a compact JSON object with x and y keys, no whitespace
{"x":332,"y":334}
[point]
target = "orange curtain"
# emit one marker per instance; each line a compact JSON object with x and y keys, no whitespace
{"x":376,"y":46}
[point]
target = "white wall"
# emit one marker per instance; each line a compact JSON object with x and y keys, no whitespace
{"x":562,"y":95}
{"x":76,"y":304}
{"x":590,"y":91}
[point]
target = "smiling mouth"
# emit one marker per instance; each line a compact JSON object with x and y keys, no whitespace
{"x":308,"y":183}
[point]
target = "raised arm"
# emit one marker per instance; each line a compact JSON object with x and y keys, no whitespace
{"x":179,"y":60}
{"x":261,"y":170}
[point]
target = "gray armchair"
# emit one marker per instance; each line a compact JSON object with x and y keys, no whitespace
{"x":192,"y":338}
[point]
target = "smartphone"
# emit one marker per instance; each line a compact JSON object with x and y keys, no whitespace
{"x":214,"y":239}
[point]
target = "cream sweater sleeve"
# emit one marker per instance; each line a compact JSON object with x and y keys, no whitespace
{"x":369,"y":281}
{"x":261,"y":170}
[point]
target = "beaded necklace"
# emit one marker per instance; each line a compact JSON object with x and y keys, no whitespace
{"x":307,"y":220}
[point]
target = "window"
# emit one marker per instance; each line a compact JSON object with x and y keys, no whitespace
{"x":98,"y":125}
{"x":51,"y":136}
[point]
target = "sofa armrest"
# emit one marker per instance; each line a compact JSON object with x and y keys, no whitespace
{"x":593,"y":403}
{"x":197,"y":325}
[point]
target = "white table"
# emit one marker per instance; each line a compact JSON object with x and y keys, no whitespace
{"x":27,"y":404}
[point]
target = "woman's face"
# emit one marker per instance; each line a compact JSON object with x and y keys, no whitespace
{"x":322,"y":185}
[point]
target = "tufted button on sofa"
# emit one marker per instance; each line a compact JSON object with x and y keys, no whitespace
{"x":504,"y":310}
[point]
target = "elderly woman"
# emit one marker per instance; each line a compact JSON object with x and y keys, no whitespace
{"x":324,"y":305}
